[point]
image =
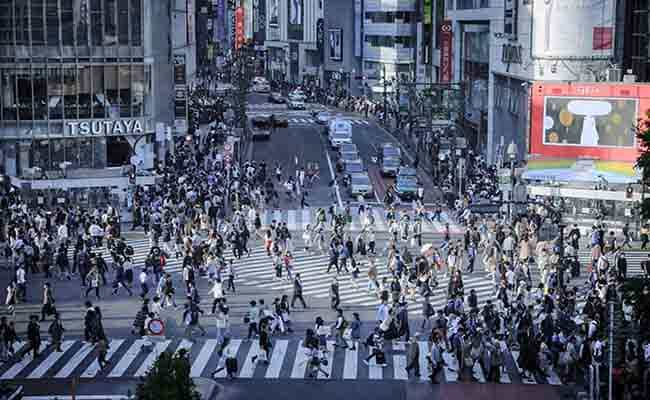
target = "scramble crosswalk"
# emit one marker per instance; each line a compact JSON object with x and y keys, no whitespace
{"x":298,"y":219}
{"x":288,"y":359}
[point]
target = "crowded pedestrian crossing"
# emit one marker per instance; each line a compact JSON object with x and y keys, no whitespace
{"x":133,"y":357}
{"x":298,"y":219}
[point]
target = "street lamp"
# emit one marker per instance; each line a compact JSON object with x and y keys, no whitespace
{"x":512,"y":155}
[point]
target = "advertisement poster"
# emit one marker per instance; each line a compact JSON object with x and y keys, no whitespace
{"x":239,"y":27}
{"x":446,"y":57}
{"x":578,"y":121}
{"x":573,"y":29}
{"x":274,"y":13}
{"x":296,"y":19}
{"x":335,"y":44}
{"x":590,"y":120}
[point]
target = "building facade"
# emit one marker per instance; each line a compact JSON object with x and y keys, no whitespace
{"x":86,"y":85}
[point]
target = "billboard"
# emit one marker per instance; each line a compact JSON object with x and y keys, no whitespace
{"x":588,"y":120}
{"x":573,"y":29}
{"x":446,"y":60}
{"x":296,"y":19}
{"x":335,"y":37}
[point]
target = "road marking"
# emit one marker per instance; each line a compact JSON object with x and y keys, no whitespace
{"x":127,"y":359}
{"x":74,"y":362}
{"x":158,"y":349}
{"x":94,"y":368}
{"x":330,"y":360}
{"x":51,"y":359}
{"x":300,"y":363}
{"x":23,"y":363}
{"x":204,"y":356}
{"x":277,"y":358}
{"x":350,"y":366}
{"x":333,"y":176}
{"x":233,"y":347}
{"x":248,"y":369}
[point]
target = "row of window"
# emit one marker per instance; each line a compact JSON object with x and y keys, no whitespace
{"x":75,"y":92}
{"x":70,"y":22}
{"x":389,"y":17}
{"x":390,"y":41}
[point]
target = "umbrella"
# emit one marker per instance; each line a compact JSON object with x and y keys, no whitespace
{"x":427,"y":249}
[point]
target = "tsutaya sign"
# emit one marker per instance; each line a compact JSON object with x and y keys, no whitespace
{"x":105,"y":127}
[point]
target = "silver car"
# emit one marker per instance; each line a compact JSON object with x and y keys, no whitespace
{"x":360,"y":185}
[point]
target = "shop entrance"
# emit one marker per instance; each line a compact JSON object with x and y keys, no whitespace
{"x":118,"y":151}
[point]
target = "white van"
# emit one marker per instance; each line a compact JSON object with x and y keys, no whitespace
{"x":339,"y":132}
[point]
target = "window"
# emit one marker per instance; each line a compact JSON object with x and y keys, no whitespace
{"x":22,"y":22}
{"x":6,"y":24}
{"x":55,"y":92}
{"x":38,"y":25}
{"x":67,"y":23}
{"x":96,"y":22}
{"x":52,"y":22}
{"x":123,"y":21}
{"x":39,"y":76}
{"x":99,"y":96}
{"x":110,"y":25}
{"x":70,"y":91}
{"x":136,"y":22}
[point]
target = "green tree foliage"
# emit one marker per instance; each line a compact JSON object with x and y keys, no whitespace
{"x":643,"y":162}
{"x":168,"y":379}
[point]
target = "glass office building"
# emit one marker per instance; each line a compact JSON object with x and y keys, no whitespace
{"x":76,"y":84}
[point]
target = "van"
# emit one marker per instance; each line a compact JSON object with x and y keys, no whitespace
{"x":340,"y":132}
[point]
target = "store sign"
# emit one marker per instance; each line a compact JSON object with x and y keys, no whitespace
{"x":105,"y":127}
{"x":446,"y":60}
{"x":511,"y":54}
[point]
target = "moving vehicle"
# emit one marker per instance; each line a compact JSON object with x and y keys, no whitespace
{"x":360,"y":185}
{"x":389,"y":166}
{"x":340,"y":132}
{"x":276,"y":97}
{"x":261,"y":127}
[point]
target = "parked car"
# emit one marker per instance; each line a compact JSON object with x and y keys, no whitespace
{"x":360,"y":185}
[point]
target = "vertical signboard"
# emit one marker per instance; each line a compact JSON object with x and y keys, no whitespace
{"x":510,"y":8}
{"x":180,"y":91}
{"x":446,"y":57}
{"x":191,"y":10}
{"x":239,"y":27}
{"x":296,"y":19}
{"x":358,"y":28}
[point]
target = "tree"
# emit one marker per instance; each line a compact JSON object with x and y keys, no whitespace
{"x":168,"y":379}
{"x":643,"y":162}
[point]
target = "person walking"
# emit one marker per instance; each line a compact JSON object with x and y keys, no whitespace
{"x":413,"y":356}
{"x":56,"y":330}
{"x":297,"y":292}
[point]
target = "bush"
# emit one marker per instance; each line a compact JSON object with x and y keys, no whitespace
{"x":168,"y":379}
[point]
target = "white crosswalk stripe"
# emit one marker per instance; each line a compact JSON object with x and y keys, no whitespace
{"x":297,"y":219}
{"x":288,"y":360}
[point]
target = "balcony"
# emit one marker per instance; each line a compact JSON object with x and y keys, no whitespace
{"x":396,"y":54}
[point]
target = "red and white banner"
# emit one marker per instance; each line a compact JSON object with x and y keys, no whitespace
{"x":446,"y":57}
{"x":239,"y":27}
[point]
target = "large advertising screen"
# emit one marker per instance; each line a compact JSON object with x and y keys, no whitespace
{"x":296,"y":19}
{"x":588,"y":120}
{"x":573,"y":29}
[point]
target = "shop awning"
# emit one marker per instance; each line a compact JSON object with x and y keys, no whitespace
{"x":584,"y":171}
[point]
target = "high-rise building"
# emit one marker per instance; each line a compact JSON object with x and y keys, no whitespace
{"x":88,"y":87}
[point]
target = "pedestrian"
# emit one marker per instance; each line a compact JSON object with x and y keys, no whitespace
{"x":297,"y":292}
{"x":33,"y":337}
{"x":413,"y":356}
{"x":56,"y":330}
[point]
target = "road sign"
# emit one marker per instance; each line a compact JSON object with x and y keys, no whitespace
{"x":156,"y":327}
